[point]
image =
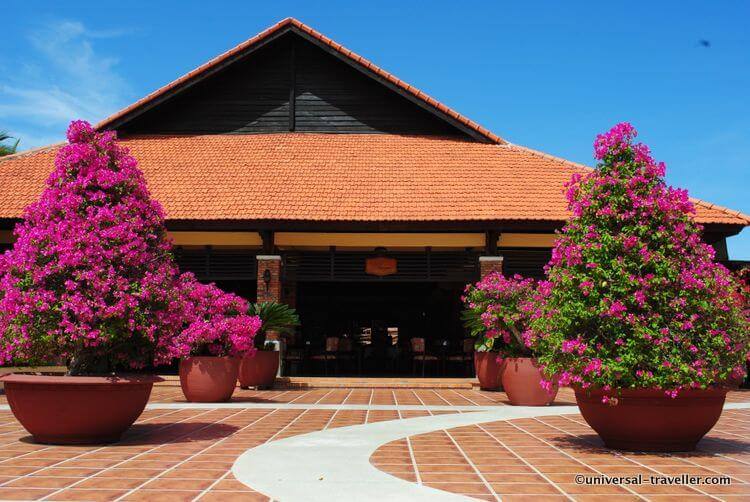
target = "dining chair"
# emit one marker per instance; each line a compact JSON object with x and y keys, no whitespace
{"x":419,"y":353}
{"x":329,"y":354}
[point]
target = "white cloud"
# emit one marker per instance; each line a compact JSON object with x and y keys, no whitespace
{"x":64,"y":79}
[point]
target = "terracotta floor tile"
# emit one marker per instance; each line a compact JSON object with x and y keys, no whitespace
{"x":231,"y":485}
{"x":23,"y":493}
{"x":733,"y":489}
{"x":574,"y":488}
{"x":178,"y":484}
{"x":71,"y":472}
{"x":443,"y":477}
{"x":41,"y":482}
{"x":464,"y":488}
{"x":534,"y":498}
{"x":445,"y":468}
{"x":88,"y":495}
{"x":504,"y":469}
{"x":118,"y":472}
{"x":649,"y":489}
{"x":162,"y":496}
{"x":109,"y":483}
{"x":606,"y":498}
{"x":682,"y":498}
{"x":513,"y":478}
{"x":186,"y":473}
{"x":216,"y":496}
{"x":524,"y":488}
{"x":574,"y":469}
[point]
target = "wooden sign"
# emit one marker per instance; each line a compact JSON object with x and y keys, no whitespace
{"x":381,"y":266}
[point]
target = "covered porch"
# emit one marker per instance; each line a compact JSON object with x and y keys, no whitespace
{"x":371,"y":304}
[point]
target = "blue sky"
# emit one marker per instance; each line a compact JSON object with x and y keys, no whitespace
{"x":549,"y":75}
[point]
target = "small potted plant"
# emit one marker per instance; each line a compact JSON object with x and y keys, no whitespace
{"x":504,"y":307}
{"x":477,"y":299}
{"x":218,"y":333}
{"x":638,"y":317}
{"x":260,"y":369}
{"x":89,"y":282}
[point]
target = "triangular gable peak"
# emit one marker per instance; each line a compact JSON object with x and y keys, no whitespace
{"x":291,"y":78}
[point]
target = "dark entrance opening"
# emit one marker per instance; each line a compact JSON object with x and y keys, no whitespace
{"x":374,"y":323}
{"x":356,"y":322}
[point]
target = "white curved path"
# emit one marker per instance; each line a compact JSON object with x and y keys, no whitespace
{"x":334,"y":464}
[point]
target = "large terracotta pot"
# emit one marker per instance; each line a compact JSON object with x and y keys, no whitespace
{"x":488,"y":370}
{"x":209,"y":379}
{"x":77,"y":409}
{"x":259,"y":370}
{"x":521,"y":381}
{"x":648,"y":420}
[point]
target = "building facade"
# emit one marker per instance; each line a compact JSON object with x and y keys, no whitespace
{"x":292,"y":169}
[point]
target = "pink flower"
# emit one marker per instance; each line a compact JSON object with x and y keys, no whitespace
{"x":616,"y":309}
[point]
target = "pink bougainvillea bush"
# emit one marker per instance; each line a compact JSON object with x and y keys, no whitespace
{"x":634,"y":298}
{"x":497,"y":313}
{"x":91,"y":280}
{"x":215,"y":323}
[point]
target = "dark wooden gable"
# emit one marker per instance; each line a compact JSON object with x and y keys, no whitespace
{"x":253,"y":95}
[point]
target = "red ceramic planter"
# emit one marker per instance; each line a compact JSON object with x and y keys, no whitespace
{"x":521,"y":382}
{"x":77,"y":409}
{"x":648,"y":420}
{"x":259,"y":370}
{"x":488,"y":370}
{"x":209,"y":379}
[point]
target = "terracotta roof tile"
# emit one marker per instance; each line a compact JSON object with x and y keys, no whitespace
{"x":330,"y":177}
{"x":291,"y":22}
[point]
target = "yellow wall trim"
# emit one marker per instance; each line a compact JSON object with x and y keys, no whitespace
{"x":511,"y":240}
{"x":216,"y":238}
{"x":388,"y":240}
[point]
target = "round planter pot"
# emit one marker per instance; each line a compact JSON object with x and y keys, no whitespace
{"x":259,"y":370}
{"x":521,"y":381}
{"x":77,"y":409}
{"x":209,"y":379}
{"x":648,"y":420}
{"x":488,"y":370}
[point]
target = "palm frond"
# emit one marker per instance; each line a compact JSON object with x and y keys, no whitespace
{"x":5,"y":149}
{"x":275,"y":316}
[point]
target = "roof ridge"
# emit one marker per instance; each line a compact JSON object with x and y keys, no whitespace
{"x":31,"y":151}
{"x":546,"y":155}
{"x":360,"y":60}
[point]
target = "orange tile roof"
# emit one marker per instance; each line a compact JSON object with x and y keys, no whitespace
{"x":343,"y":51}
{"x":335,"y":177}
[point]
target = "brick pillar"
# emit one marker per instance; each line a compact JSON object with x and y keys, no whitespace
{"x":270,"y":292}
{"x":489,"y":264}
